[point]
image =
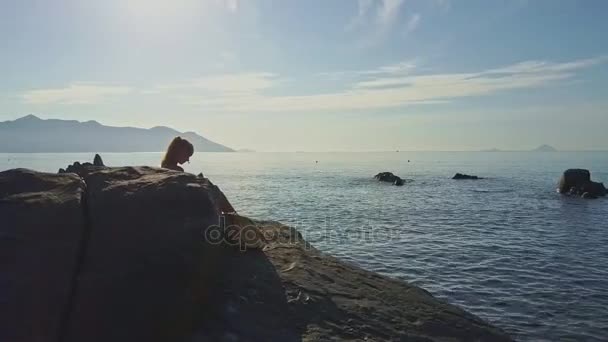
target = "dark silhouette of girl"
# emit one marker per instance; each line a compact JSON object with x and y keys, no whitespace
{"x":179,"y":152}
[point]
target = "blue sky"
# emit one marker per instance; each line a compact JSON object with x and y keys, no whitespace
{"x":317,"y":75}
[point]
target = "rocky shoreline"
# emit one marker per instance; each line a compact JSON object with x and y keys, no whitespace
{"x":145,"y":254}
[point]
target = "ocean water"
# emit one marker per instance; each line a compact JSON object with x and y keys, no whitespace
{"x":507,"y":248}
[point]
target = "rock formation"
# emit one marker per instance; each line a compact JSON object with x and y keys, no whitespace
{"x":465,"y":176}
{"x":577,"y":182}
{"x":133,"y":254}
{"x":97,"y":161}
{"x":389,"y":177}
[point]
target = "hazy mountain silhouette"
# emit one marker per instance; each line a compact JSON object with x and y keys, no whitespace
{"x":545,"y":148}
{"x":32,"y":134}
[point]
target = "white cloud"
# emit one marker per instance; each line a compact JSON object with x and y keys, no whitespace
{"x":75,"y":93}
{"x":543,"y":66}
{"x":401,"y":68}
{"x":389,"y":86}
{"x":228,"y":83}
{"x":375,"y":19}
{"x":412,"y":23}
{"x":388,"y":12}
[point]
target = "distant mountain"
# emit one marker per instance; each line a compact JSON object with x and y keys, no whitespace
{"x":492,"y":150}
{"x":545,"y":148}
{"x":32,"y":134}
{"x":245,"y":150}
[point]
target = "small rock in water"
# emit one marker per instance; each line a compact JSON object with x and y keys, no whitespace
{"x":577,"y":182}
{"x":465,"y":176}
{"x":389,"y":177}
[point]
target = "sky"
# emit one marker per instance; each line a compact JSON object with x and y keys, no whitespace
{"x":340,"y":75}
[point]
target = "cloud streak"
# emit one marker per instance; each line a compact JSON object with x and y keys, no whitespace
{"x":389,"y":86}
{"x":75,"y":93}
{"x":384,"y":87}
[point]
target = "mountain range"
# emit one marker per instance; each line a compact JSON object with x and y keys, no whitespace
{"x":32,"y":134}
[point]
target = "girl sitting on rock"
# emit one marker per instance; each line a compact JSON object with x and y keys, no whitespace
{"x":179,"y":151}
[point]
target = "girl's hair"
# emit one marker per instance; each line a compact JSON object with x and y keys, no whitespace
{"x":174,"y":148}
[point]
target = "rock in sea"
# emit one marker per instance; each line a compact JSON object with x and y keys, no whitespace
{"x":465,"y":176}
{"x":389,"y":177}
{"x":122,"y":254}
{"x":577,"y":182}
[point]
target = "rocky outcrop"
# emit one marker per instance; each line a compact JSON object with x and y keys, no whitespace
{"x":577,"y":182}
{"x":143,"y":255}
{"x":389,"y":177}
{"x":292,"y":292}
{"x":460,"y":176}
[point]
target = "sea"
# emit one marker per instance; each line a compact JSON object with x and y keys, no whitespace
{"x":507,"y":248}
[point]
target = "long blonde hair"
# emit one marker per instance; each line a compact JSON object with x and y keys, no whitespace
{"x":177,"y":144}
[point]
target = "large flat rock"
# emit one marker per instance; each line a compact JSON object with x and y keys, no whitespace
{"x":41,"y":230}
{"x":292,"y":292}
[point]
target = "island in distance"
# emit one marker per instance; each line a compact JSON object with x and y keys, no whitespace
{"x":31,"y":134}
{"x":541,"y":148}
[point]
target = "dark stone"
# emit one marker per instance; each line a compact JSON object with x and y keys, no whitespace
{"x":464,"y":176}
{"x":389,"y":177}
{"x":84,"y":168}
{"x":97,"y":161}
{"x":573,"y":178}
{"x":577,"y":182}
{"x":147,"y":269}
{"x":41,"y":229}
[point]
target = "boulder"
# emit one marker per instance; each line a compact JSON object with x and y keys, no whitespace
{"x":389,"y":177}
{"x":573,"y":178}
{"x":41,"y":230}
{"x":465,"y":176}
{"x":577,"y":182}
{"x":148,"y":269}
